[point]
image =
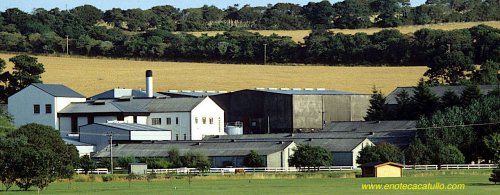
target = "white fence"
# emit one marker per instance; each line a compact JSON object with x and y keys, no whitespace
{"x":95,"y":171}
{"x":451,"y":166}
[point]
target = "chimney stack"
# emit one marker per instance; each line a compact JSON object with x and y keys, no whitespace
{"x":149,"y":83}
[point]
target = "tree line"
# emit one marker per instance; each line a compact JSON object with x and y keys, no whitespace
{"x":280,"y":16}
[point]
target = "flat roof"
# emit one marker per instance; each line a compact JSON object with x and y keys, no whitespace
{"x":128,"y":126}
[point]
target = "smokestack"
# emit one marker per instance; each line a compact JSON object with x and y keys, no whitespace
{"x":149,"y":83}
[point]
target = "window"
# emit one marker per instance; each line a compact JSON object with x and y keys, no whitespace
{"x":74,"y":125}
{"x":195,"y":120}
{"x":220,"y":130}
{"x":169,"y":121}
{"x":36,"y":109}
{"x":156,"y":121}
{"x":204,"y":120}
{"x":176,"y":137}
{"x":48,"y":108}
{"x":211,"y":120}
{"x":135,"y":119}
{"x":185,"y":137}
{"x":176,"y":120}
{"x":120,"y":118}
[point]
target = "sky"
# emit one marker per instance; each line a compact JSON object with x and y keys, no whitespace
{"x":29,"y":5}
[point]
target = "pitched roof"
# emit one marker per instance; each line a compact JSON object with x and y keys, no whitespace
{"x":371,"y":126}
{"x":57,"y":90}
{"x":378,"y":164}
{"x":134,"y":106}
{"x":207,"y":148}
{"x":189,"y":93}
{"x":126,"y":126}
{"x":306,"y":91}
{"x":437,"y":90}
{"x":75,"y":142}
{"x":173,"y":104}
{"x":119,"y":92}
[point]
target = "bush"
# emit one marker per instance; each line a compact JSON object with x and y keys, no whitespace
{"x":106,"y":178}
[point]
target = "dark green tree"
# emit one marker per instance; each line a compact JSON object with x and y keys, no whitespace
{"x":87,"y":164}
{"x":383,"y":152}
{"x":123,"y":162}
{"x":425,"y":101}
{"x":376,"y":111}
{"x":352,"y":14}
{"x":253,"y":159}
{"x":405,"y":108}
{"x":319,"y":14}
{"x":495,"y":175}
{"x":175,"y":158}
{"x":492,"y":143}
{"x":417,"y":153}
{"x":390,"y":12}
{"x":88,"y":14}
{"x":449,"y":99}
{"x":488,"y":75}
{"x":470,"y":93}
{"x":27,"y":70}
{"x":306,"y":156}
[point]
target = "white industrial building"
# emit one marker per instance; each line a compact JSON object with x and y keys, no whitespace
{"x":40,"y":103}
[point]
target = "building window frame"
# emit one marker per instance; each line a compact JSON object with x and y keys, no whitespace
{"x":48,"y":108}
{"x":204,"y":120}
{"x":195,"y":120}
{"x":169,"y":121}
{"x":176,"y":120}
{"x":155,"y":121}
{"x":36,"y":108}
{"x":211,"y":120}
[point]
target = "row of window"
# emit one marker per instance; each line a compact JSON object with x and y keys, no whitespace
{"x":204,"y":120}
{"x":157,"y":121}
{"x":36,"y":108}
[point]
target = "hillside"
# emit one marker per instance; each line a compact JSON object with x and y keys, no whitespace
{"x":92,"y":76}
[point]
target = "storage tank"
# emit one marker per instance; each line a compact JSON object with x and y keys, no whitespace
{"x":235,"y":128}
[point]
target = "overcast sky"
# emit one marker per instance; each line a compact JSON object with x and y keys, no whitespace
{"x":29,"y":5}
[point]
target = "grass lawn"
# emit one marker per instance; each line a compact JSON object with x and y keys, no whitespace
{"x":475,"y":183}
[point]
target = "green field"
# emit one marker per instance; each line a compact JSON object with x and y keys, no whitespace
{"x":476,"y":182}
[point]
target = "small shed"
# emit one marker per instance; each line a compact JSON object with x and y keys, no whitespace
{"x":137,"y":168}
{"x":382,"y":169}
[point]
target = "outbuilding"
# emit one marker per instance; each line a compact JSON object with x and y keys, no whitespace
{"x":382,"y":169}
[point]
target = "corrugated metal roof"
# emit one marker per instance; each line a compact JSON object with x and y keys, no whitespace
{"x":75,"y":142}
{"x":437,"y":90}
{"x":113,"y":93}
{"x":126,"y":126}
{"x":173,"y":104}
{"x":58,"y":90}
{"x":371,"y":126}
{"x":186,"y":93}
{"x":207,"y":148}
{"x":304,"y":91}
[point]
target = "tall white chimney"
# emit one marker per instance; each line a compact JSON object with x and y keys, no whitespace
{"x":149,"y":83}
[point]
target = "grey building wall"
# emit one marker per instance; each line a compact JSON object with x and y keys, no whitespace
{"x":346,"y":107}
{"x":307,"y":112}
{"x":253,"y":109}
{"x":96,"y":135}
{"x":342,"y":158}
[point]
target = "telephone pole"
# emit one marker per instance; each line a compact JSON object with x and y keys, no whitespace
{"x":265,"y":53}
{"x":110,"y":135}
{"x":67,"y":45}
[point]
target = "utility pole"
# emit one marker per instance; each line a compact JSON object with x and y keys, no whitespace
{"x":268,"y":125}
{"x":67,"y":45}
{"x":110,"y":135}
{"x":265,"y":53}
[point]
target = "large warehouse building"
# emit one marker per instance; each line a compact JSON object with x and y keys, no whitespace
{"x":273,"y":110}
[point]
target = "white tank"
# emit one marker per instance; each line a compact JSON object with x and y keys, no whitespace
{"x":234,"y":128}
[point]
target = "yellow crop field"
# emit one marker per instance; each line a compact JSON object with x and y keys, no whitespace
{"x":92,"y":76}
{"x":298,"y":35}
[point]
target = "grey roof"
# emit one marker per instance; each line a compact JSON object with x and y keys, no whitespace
{"x":437,"y":90}
{"x":210,"y":149}
{"x":188,"y":93}
{"x":118,"y":92}
{"x":306,"y":91}
{"x":58,"y":90}
{"x":75,"y":142}
{"x":173,"y":104}
{"x":134,"y":106}
{"x":127,"y":126}
{"x":371,"y":126}
{"x":109,"y":106}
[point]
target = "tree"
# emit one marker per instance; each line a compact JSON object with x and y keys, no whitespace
{"x":390,"y":10}
{"x":495,"y":175}
{"x":306,"y":156}
{"x":417,"y":153}
{"x":383,"y":152}
{"x":488,"y":75}
{"x":470,"y":93}
{"x":87,"y":164}
{"x":88,"y":14}
{"x":406,"y":107}
{"x":27,"y":70}
{"x":86,"y":43}
{"x":123,"y":162}
{"x":352,"y":14}
{"x":196,"y":160}
{"x":492,"y":143}
{"x":450,"y":155}
{"x":49,"y":157}
{"x":253,"y":160}
{"x":319,"y":14}
{"x":376,"y":111}
{"x":449,"y":99}
{"x":425,"y":101}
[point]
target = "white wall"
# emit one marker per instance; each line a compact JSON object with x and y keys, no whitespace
{"x":357,"y":149}
{"x":150,"y":135}
{"x":208,"y":109}
{"x":184,"y":126}
{"x":61,"y":103}
{"x":85,"y":150}
{"x":280,"y":159}
{"x":20,"y":106}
